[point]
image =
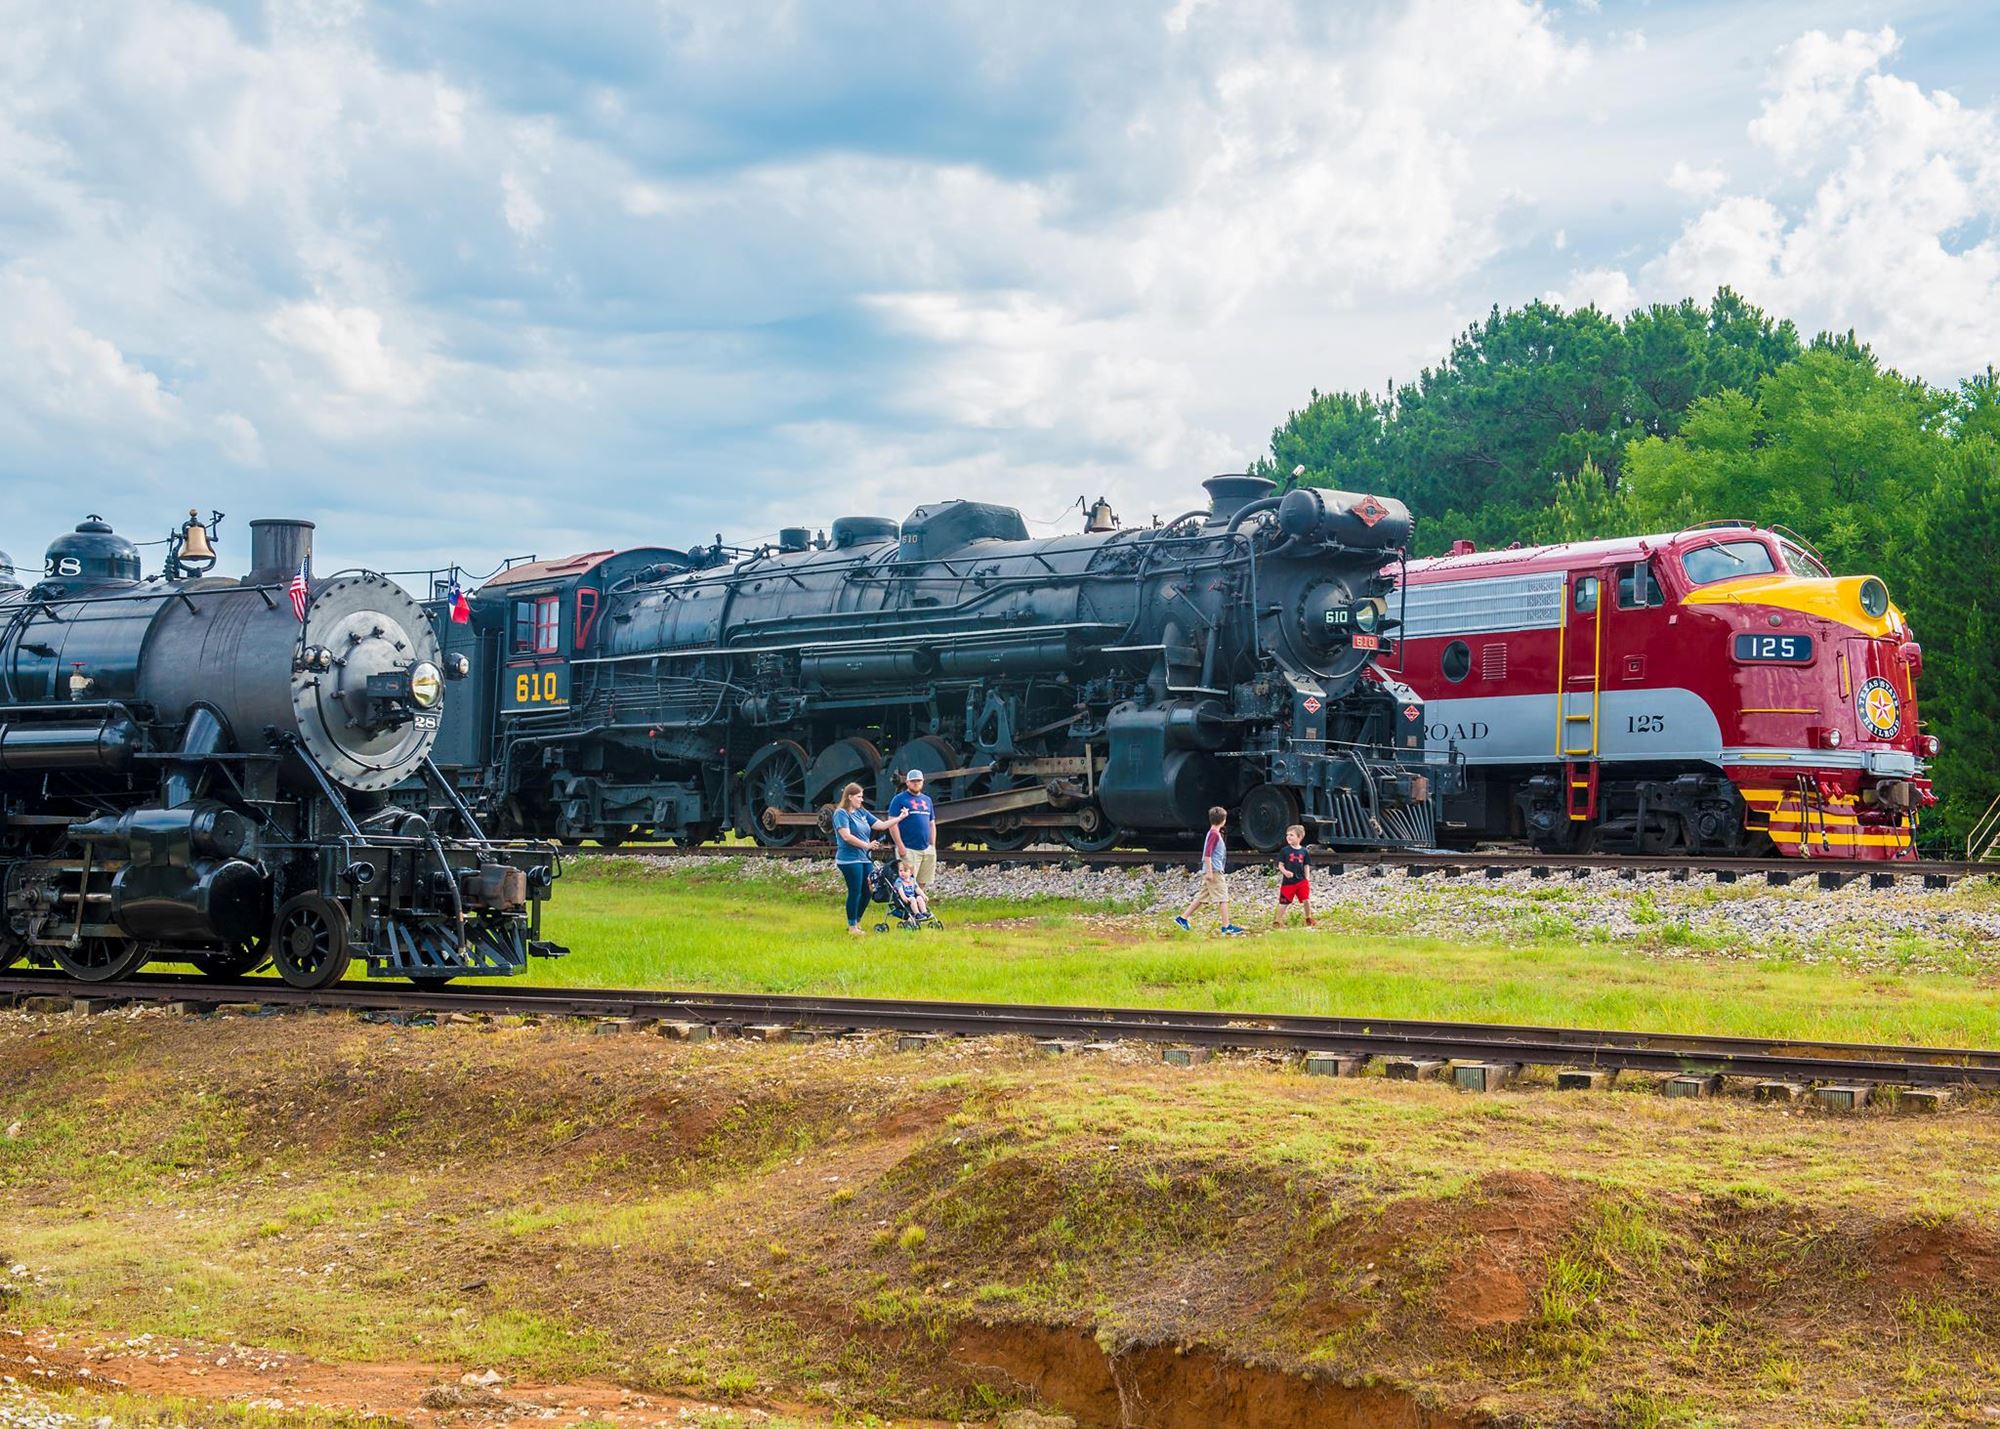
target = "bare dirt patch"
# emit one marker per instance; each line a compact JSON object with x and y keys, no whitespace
{"x":419,"y":1394}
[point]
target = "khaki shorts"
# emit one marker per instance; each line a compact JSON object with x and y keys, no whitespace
{"x":926,"y":863}
{"x":1213,"y":884}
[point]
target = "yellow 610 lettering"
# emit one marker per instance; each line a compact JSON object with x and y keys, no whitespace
{"x":536,"y":689}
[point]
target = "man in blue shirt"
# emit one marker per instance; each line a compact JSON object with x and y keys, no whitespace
{"x":916,"y":834}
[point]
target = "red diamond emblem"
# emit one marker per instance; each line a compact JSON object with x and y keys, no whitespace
{"x":1370,"y":510}
{"x":1312,"y":704}
{"x":1411,"y":712}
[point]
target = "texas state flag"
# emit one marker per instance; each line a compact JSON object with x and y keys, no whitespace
{"x":461,"y":608}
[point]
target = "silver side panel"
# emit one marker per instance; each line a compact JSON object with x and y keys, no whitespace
{"x":1480,"y":607}
{"x":1664,"y":725}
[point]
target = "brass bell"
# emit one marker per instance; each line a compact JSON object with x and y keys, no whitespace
{"x":1100,"y":518}
{"x":194,"y":539}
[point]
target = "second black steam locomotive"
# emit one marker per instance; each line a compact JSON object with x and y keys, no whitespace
{"x":1102,"y":687}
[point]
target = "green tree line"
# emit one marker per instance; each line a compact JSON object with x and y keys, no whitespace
{"x":1544,"y":425}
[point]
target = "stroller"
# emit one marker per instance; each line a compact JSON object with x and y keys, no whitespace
{"x":883,"y":890}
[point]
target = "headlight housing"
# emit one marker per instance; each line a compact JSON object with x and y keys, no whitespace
{"x":426,"y":684}
{"x":1874,"y":598}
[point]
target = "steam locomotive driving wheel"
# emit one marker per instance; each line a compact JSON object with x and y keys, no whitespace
{"x":101,"y":959}
{"x":774,"y":781}
{"x":309,"y":944}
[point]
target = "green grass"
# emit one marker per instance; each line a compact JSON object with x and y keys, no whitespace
{"x":719,"y":928}
{"x":176,"y":1412}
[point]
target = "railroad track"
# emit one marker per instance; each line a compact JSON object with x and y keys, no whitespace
{"x":1827,"y":873}
{"x":1427,"y":1046}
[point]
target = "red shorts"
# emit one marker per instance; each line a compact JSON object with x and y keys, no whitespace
{"x":1300,"y":892}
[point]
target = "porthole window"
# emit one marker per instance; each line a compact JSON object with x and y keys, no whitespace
{"x":1457,"y":661}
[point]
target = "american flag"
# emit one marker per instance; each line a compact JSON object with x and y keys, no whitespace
{"x":299,"y":593}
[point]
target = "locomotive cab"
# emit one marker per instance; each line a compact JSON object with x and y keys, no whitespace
{"x":524,"y":633}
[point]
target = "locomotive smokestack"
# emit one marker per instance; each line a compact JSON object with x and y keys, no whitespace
{"x":276,"y":548}
{"x":1232,"y":491}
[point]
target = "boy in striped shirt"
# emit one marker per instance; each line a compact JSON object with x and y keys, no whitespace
{"x":1214,"y":878}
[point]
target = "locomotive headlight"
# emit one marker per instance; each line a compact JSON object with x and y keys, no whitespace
{"x":1874,"y":598}
{"x":1368,"y":616}
{"x":426,"y":684}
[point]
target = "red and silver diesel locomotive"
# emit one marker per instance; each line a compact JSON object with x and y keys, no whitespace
{"x":1716,"y":690}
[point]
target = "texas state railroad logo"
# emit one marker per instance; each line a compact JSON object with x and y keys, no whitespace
{"x":1880,"y":710}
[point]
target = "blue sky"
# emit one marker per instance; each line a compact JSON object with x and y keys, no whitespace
{"x":470,"y":278}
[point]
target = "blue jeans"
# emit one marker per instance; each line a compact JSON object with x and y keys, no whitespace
{"x":856,"y":875}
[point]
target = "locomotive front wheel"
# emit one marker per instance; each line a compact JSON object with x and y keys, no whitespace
{"x":309,"y":944}
{"x":1268,"y":810}
{"x":102,"y":959}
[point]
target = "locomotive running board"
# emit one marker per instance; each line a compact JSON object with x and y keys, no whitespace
{"x":979,"y":806}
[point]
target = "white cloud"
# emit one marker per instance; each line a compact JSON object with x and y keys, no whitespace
{"x":1700,"y":183}
{"x":1896,"y":237}
{"x":349,"y":342}
{"x":59,"y":370}
{"x":1608,"y":290}
{"x":1890,"y":232}
{"x":518,"y":205}
{"x":1814,"y":80}
{"x":237,"y":436}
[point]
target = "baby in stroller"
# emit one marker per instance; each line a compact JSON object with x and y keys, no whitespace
{"x":896,"y":884}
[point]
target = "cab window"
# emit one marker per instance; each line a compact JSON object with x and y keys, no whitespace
{"x":1586,"y":594}
{"x":1638,"y":587}
{"x":1802,"y":562}
{"x":538,"y":625}
{"x":1704,"y":565}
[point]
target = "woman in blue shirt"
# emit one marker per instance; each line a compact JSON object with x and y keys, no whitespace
{"x":854,"y":830}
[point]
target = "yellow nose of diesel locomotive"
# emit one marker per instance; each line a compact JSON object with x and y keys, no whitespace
{"x":1858,"y":602}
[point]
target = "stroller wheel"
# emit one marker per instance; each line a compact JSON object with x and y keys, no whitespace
{"x":881,"y":927}
{"x":937,"y":923}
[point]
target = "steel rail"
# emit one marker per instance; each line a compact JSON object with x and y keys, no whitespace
{"x":1772,"y":1059}
{"x":1828,"y":872}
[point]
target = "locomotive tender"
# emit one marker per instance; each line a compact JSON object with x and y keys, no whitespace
{"x":1713,"y":690}
{"x":194,"y":769}
{"x":1098,"y":687}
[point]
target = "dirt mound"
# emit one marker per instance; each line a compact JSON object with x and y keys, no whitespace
{"x":1172,"y":1386}
{"x":947,"y":1234}
{"x":1927,"y":1255}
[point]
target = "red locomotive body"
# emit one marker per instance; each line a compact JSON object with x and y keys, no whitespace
{"x":1711,"y":691}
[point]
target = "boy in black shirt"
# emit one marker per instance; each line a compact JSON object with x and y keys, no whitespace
{"x":1294,"y":884}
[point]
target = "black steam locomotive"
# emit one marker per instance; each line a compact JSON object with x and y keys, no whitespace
{"x":1101,"y":687}
{"x":196,"y":769}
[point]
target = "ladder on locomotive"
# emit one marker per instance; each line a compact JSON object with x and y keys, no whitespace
{"x":1982,"y":845}
{"x":1579,"y":678}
